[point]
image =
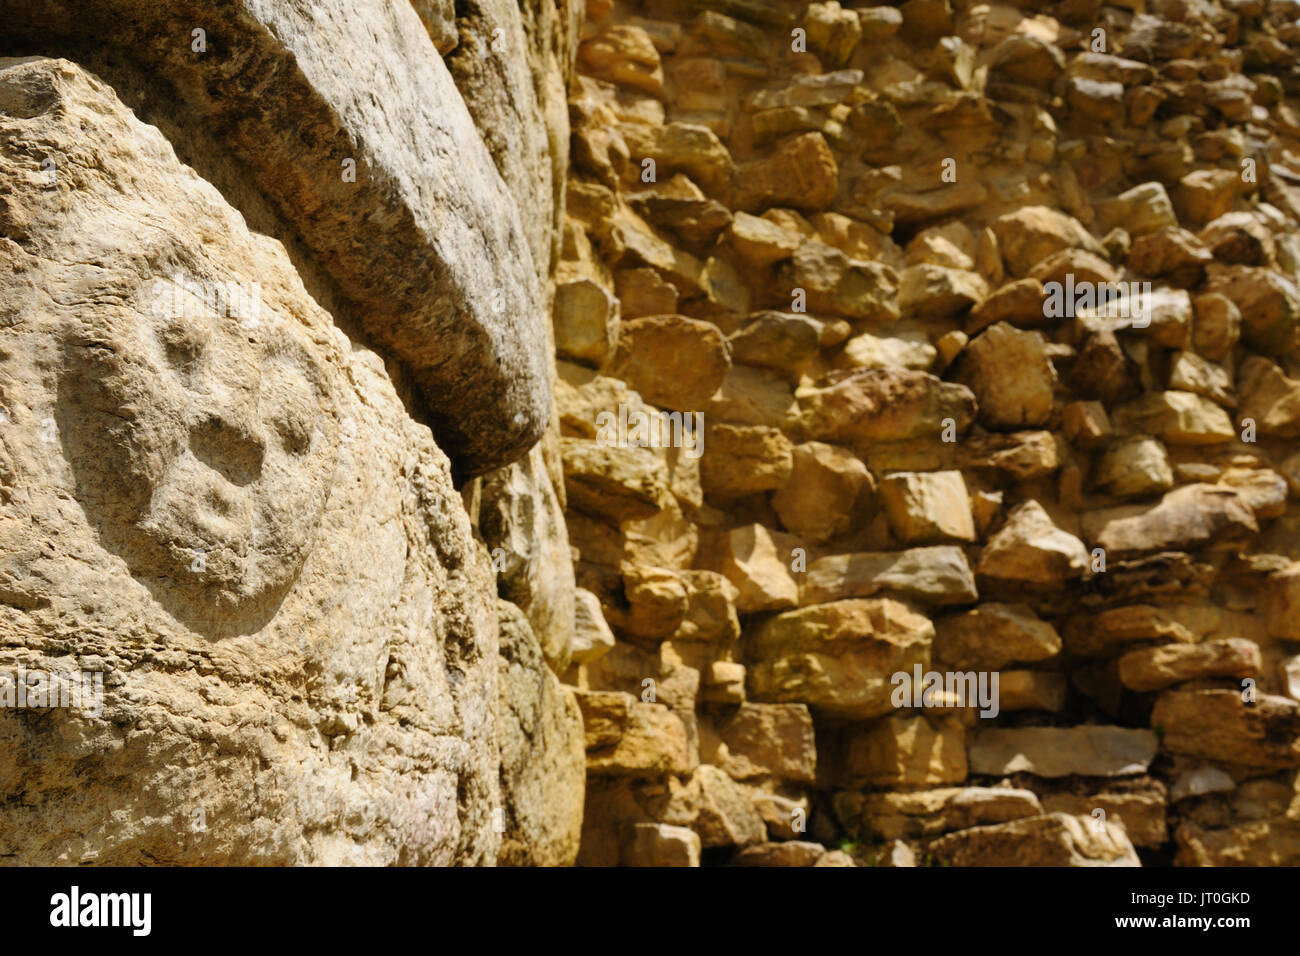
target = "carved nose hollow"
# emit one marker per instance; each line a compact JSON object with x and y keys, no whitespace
{"x":231,"y":444}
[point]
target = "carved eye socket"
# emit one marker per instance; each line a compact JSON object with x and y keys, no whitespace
{"x":182,"y":344}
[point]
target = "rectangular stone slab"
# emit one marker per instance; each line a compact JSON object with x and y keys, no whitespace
{"x":1063,"y":751}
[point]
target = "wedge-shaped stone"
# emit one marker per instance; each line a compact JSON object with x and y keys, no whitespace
{"x":1269,"y":398}
{"x":1154,"y":668}
{"x":1186,"y":518}
{"x":592,"y":638}
{"x":1178,"y":418}
{"x":761,"y":242}
{"x":758,"y":563}
{"x":937,"y":292}
{"x":1031,"y":550}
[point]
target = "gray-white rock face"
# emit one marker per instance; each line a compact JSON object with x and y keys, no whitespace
{"x":511,"y":66}
{"x":543,"y":753}
{"x":350,"y":123}
{"x":212,"y":497}
{"x":522,"y":520}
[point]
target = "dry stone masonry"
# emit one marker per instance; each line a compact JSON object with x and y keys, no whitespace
{"x":990,"y":314}
{"x":650,"y":432}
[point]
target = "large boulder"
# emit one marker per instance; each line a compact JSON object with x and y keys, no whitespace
{"x":227,"y":512}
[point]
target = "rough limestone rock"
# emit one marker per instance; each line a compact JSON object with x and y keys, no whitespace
{"x":1031,"y":550}
{"x":234,"y":519}
{"x":510,"y":65}
{"x":1011,"y":376}
{"x":928,"y":507}
{"x":935,"y":576}
{"x":1061,"y":751}
{"x":423,"y":237}
{"x":837,"y":657}
{"x":334,"y":339}
{"x":825,"y":486}
{"x":924,"y":813}
{"x":522,"y":520}
{"x":905,"y":752}
{"x":1055,"y":839}
{"x":1155,"y":668}
{"x":993,"y":635}
{"x":1218,"y":725}
{"x":539,"y":727}
{"x":1185,"y":518}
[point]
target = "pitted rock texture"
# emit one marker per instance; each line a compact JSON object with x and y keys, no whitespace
{"x":233,"y":518}
{"x":838,"y":400}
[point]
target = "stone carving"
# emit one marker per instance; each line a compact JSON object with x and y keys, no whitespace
{"x":203,"y":448}
{"x":231,"y":515}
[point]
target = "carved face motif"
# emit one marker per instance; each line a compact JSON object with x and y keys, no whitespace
{"x":204,"y":449}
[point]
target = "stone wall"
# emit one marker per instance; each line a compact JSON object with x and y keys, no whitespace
{"x":864,"y":241}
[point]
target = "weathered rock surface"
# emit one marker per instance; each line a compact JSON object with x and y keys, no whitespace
{"x":1058,"y":752}
{"x":896,"y":259}
{"x":422,"y":237}
{"x":539,"y":727}
{"x":837,"y":657}
{"x":1056,"y":839}
{"x":247,"y":534}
